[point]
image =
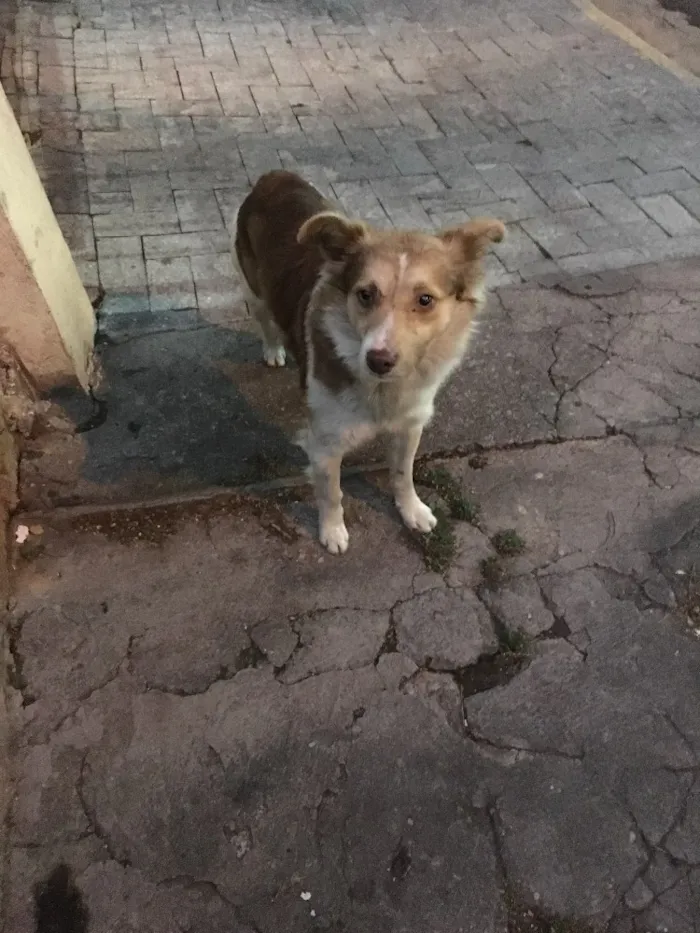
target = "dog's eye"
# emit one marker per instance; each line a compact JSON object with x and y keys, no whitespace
{"x":425,"y":301}
{"x":365,"y":296}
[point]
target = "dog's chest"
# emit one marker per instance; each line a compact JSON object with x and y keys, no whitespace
{"x":357,"y":415}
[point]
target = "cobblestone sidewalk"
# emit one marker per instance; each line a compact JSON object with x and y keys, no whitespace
{"x":149,"y":122}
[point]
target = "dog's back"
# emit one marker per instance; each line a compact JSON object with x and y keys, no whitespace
{"x":278,"y":270}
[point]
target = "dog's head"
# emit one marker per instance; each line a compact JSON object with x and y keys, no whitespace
{"x":403,"y":290}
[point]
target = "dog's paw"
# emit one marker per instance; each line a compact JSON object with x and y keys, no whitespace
{"x":334,"y":536}
{"x":274,"y":356}
{"x":417,"y":515}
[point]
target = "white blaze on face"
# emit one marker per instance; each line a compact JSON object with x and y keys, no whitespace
{"x":381,"y":336}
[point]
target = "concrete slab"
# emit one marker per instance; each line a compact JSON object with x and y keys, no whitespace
{"x":220,"y":725}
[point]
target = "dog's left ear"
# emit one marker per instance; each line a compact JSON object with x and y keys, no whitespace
{"x":473,"y":239}
{"x":336,"y":236}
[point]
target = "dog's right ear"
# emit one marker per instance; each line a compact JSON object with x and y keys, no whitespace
{"x":333,"y":234}
{"x":473,"y":239}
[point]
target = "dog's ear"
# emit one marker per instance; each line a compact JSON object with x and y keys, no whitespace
{"x":467,"y":245}
{"x":335,"y":236}
{"x":473,"y":239}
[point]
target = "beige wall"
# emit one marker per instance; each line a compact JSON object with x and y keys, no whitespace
{"x":45,"y":313}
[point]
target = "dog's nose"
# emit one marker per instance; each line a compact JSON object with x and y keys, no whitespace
{"x":381,"y":362}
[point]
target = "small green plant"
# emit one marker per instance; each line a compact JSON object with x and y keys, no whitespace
{"x":508,"y":542}
{"x":446,"y":486}
{"x":464,"y":510}
{"x":439,"y":546}
{"x":513,"y":641}
{"x":492,"y":571}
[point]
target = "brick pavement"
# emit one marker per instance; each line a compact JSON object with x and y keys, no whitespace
{"x":150,"y":121}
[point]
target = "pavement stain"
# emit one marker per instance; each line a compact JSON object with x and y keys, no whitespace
{"x":527,"y":919}
{"x":155,"y":524}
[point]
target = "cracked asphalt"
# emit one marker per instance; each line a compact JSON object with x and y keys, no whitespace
{"x":221,"y":728}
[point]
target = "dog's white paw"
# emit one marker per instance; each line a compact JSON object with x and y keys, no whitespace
{"x":274,"y":356}
{"x":334,"y":536}
{"x":417,"y":515}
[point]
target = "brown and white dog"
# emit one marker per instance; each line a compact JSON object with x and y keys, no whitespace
{"x":376,"y":319}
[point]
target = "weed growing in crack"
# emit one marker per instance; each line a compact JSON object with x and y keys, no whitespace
{"x":508,"y":542}
{"x":440,"y":545}
{"x":513,"y":641}
{"x":492,"y":571}
{"x":464,"y":510}
{"x":439,"y":479}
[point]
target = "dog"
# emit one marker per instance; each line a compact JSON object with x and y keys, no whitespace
{"x":377,"y":320}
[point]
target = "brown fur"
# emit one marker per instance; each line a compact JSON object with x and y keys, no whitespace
{"x":279,"y":270}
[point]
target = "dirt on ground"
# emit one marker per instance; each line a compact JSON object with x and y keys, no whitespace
{"x":671,"y":26}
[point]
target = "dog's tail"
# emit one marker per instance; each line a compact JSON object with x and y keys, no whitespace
{"x":59,"y":906}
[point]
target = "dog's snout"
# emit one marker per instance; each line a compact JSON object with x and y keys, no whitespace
{"x":381,"y":362}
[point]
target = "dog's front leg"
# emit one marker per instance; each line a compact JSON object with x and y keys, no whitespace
{"x":414,"y":512}
{"x":325,"y":470}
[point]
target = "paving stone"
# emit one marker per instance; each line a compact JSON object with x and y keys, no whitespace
{"x":111,"y":247}
{"x":198,"y":211}
{"x":669,"y":214}
{"x":518,"y":249}
{"x":336,"y":640}
{"x":690,"y":199}
{"x":170,"y":284}
{"x":644,"y":235}
{"x":136,"y":224}
{"x":78,"y":232}
{"x":219,"y":294}
{"x":613,"y":204}
{"x":599,"y":261}
{"x":587,"y":174}
{"x":505,"y":181}
{"x":657,"y":183}
{"x":360,"y":200}
{"x":406,"y":212}
{"x":185,"y":244}
{"x":89,"y":276}
{"x":473,"y":548}
{"x":556,"y":241}
{"x":124,"y":272}
{"x":444,"y":629}
{"x":276,"y":639}
{"x":152,"y":192}
{"x":519,"y":607}
{"x":106,"y":202}
{"x":557,"y":192}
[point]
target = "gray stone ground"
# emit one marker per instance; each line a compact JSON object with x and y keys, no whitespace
{"x":221,"y":728}
{"x":150,"y":121}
